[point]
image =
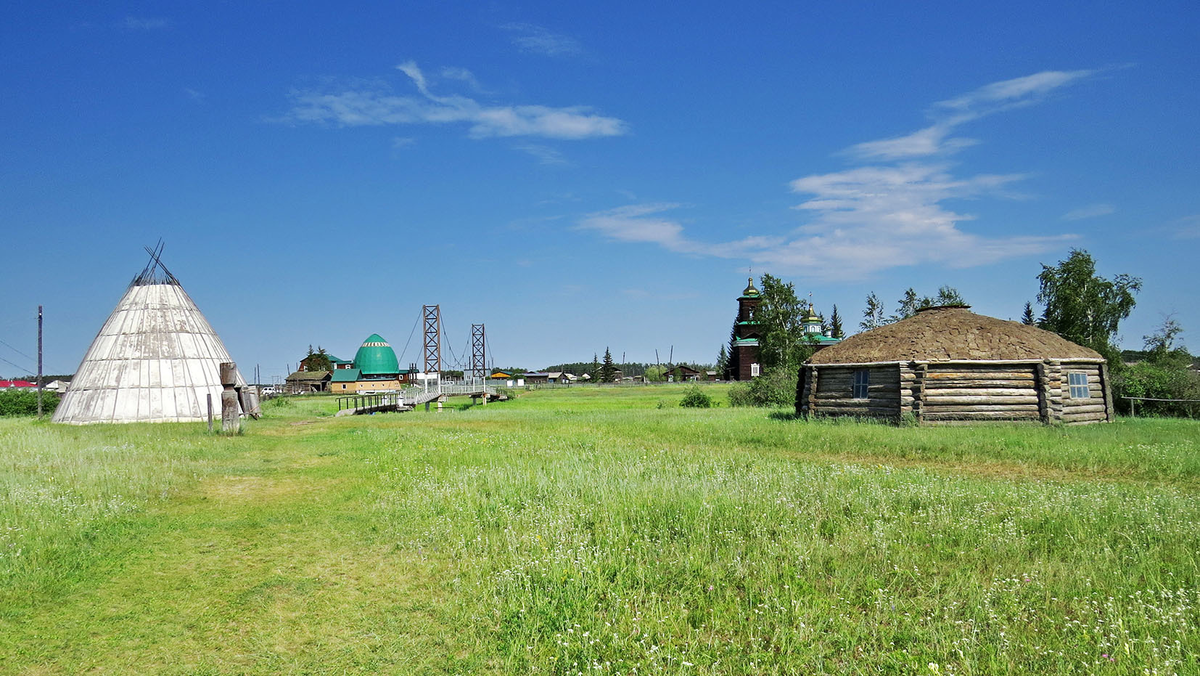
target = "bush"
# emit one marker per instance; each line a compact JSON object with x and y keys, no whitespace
{"x":739,"y":395}
{"x":23,"y":401}
{"x":695,"y":398}
{"x":1159,"y":381}
{"x":775,"y":388}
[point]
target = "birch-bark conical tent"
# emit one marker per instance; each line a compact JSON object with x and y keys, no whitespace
{"x":156,"y":359}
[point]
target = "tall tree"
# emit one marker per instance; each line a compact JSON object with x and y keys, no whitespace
{"x":722,"y":360}
{"x":1027,"y":317}
{"x":873,"y":314}
{"x":608,"y":372}
{"x":1083,"y":307}
{"x":835,"y":323}
{"x":781,"y":342}
{"x":731,"y":366}
{"x":595,"y":373}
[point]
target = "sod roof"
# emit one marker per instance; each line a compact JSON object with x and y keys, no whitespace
{"x":951,"y":333}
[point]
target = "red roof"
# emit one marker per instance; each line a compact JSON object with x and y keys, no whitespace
{"x":17,"y":383}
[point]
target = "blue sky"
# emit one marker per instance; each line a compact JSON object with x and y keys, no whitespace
{"x":582,"y":176}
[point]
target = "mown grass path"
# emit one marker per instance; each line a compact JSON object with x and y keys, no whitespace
{"x":593,"y":531}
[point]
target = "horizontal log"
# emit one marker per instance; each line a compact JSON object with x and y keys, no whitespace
{"x":1092,"y":407}
{"x":930,"y":406}
{"x":1025,"y":373}
{"x":932,"y":393}
{"x":1067,"y":417}
{"x":975,"y":423}
{"x":966,"y":384}
{"x":1025,"y":399}
{"x":846,"y":410}
{"x":983,"y":415}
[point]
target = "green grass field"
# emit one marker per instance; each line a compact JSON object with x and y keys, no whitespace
{"x":598,"y":531}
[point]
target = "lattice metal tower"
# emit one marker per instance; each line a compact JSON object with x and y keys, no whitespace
{"x":478,"y":353}
{"x":433,"y":339}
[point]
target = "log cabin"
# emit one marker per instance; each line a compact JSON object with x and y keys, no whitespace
{"x":948,"y":365}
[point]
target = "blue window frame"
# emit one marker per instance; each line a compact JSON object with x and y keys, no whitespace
{"x":862,"y":381}
{"x":1078,"y":385}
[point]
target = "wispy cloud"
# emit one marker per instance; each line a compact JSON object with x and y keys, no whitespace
{"x":195,"y":95}
{"x":1089,"y":211}
{"x":947,"y":115}
{"x":378,"y":105}
{"x":144,"y":23}
{"x":891,"y":212}
{"x":1187,"y":227}
{"x":463,"y":75}
{"x":534,"y":39}
{"x":544,"y":154}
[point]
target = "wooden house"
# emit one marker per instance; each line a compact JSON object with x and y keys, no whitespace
{"x":947,"y":365}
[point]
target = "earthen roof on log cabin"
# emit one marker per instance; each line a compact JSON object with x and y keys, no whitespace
{"x":951,"y":333}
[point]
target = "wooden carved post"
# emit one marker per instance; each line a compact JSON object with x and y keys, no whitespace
{"x":229,"y":398}
{"x":209,"y":395}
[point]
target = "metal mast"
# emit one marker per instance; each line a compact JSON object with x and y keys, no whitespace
{"x":433,"y":341}
{"x":478,"y":353}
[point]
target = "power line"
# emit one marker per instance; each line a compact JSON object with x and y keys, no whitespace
{"x":10,"y":363}
{"x":410,"y":335}
{"x":16,"y":350}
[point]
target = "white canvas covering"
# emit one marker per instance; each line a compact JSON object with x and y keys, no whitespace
{"x":154,"y":360}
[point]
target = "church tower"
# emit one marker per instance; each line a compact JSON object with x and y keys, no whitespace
{"x":743,"y":362}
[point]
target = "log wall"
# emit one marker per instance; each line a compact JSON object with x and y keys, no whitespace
{"x":962,"y":392}
{"x":1089,"y":409}
{"x":981,"y":392}
{"x":830,"y":392}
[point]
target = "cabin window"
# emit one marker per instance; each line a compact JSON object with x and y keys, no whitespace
{"x":862,"y":380}
{"x":1078,"y":385}
{"x":755,"y":370}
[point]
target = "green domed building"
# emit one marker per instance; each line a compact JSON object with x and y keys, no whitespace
{"x":375,"y":369}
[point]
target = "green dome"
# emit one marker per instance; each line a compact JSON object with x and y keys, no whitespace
{"x":376,"y":357}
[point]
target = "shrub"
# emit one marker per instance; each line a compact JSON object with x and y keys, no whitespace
{"x":1159,"y":381}
{"x":775,"y":388}
{"x":739,"y":395}
{"x":695,"y":398}
{"x":23,"y":401}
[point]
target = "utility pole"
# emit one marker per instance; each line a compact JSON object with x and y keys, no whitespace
{"x":39,"y":362}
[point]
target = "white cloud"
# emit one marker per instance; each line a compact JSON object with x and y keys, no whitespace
{"x":640,"y":223}
{"x":889,"y":213}
{"x":195,"y":95}
{"x":462,"y":75}
{"x":399,"y":142}
{"x":544,"y":154}
{"x":951,"y":113}
{"x":1089,"y":211}
{"x":534,"y":39}
{"x":377,"y":106}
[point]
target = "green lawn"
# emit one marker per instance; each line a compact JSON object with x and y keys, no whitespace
{"x":598,"y":531}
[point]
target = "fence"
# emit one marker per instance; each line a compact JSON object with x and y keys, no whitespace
{"x":1133,"y":406}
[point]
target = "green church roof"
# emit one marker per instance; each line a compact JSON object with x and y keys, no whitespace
{"x":345,"y":376}
{"x":376,"y":357}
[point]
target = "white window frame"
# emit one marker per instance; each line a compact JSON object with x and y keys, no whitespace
{"x":861,"y":384}
{"x":1077,"y":385}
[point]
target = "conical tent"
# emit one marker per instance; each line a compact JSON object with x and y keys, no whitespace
{"x":155,"y":359}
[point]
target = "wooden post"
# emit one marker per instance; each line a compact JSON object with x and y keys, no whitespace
{"x":229,"y":398}
{"x":209,"y":395}
{"x":919,"y":400}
